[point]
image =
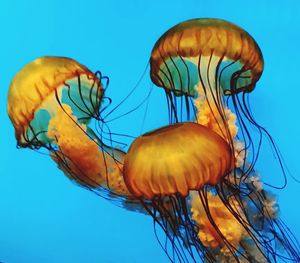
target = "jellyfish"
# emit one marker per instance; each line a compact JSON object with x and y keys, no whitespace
{"x":207,"y":63}
{"x":207,"y":68}
{"x":161,"y":167}
{"x":52,"y":103}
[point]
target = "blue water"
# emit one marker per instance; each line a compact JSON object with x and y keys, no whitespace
{"x":43,"y":216}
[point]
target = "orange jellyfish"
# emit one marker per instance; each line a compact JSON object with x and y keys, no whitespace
{"x":163,"y":166}
{"x":51,"y":103}
{"x":211,"y":62}
{"x":208,"y":68}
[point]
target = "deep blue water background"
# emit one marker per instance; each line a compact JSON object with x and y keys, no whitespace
{"x":43,"y":216}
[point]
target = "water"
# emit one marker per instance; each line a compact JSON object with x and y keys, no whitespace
{"x":46,"y":218}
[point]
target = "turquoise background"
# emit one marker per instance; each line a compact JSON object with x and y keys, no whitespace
{"x":46,"y":218}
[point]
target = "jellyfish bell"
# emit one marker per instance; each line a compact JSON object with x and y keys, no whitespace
{"x":51,"y":102}
{"x":176,"y":159}
{"x":37,"y":90}
{"x":208,"y":51}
